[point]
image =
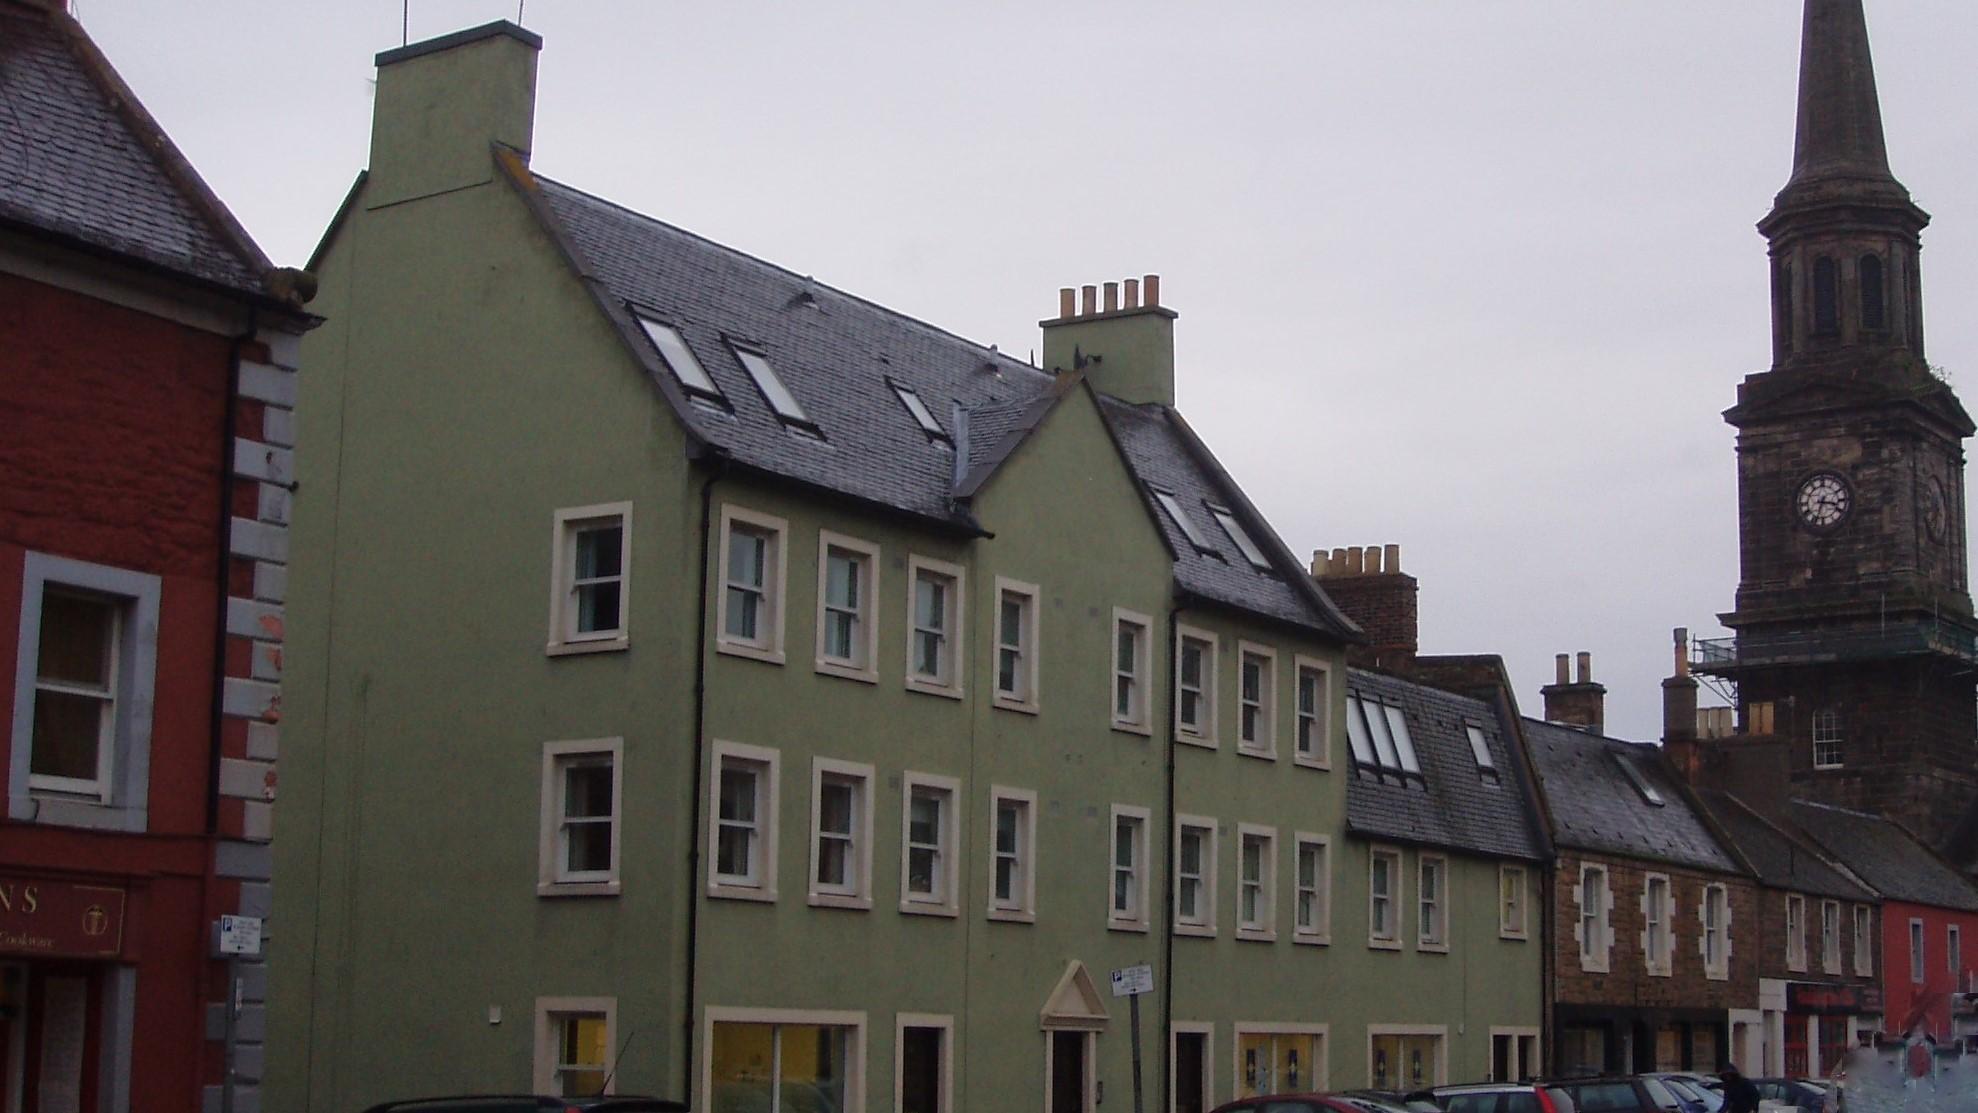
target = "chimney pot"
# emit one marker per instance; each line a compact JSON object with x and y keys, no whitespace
{"x":1320,"y":562}
{"x":1373,"y":560}
{"x":1151,"y":287}
{"x":1682,"y":651}
{"x":1133,"y":293}
{"x":1091,"y":300}
{"x":1112,"y":296}
{"x":1067,"y":302}
{"x":1586,"y":667}
{"x":1394,"y":558}
{"x":1355,"y":559}
{"x":1562,"y":668}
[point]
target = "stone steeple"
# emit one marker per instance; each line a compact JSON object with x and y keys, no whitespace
{"x":1838,"y":147}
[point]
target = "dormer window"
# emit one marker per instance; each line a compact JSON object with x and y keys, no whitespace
{"x":922,"y":416}
{"x":773,"y":391}
{"x":1181,"y":519}
{"x":1237,"y":534}
{"x":1826,"y":298}
{"x":680,"y":360}
{"x":1874,"y":295}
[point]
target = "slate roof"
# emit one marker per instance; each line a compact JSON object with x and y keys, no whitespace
{"x":1884,"y":855}
{"x":1455,"y":806}
{"x":836,"y":352}
{"x":1781,"y":860}
{"x":1596,"y":807}
{"x":81,"y":160}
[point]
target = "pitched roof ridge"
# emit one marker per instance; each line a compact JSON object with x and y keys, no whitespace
{"x":987,"y":350}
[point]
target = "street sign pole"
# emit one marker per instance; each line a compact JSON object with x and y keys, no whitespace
{"x":1130,"y":982}
{"x":232,"y":1025}
{"x":1133,"y":1008}
{"x":238,"y":935}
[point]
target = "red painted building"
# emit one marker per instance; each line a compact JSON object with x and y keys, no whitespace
{"x":146,"y":374}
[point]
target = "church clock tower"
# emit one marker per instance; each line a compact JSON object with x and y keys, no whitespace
{"x":1854,"y":625}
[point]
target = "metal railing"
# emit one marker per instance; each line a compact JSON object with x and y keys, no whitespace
{"x":1920,"y":637}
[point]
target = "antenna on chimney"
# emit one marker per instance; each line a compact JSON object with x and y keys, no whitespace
{"x":405,"y":22}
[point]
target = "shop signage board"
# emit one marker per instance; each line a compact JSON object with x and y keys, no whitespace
{"x":1827,"y":999}
{"x":60,"y":919}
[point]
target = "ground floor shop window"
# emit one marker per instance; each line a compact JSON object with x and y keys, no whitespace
{"x":1404,"y":1058}
{"x":1582,"y":1050}
{"x":1279,"y":1059}
{"x":767,"y":1065}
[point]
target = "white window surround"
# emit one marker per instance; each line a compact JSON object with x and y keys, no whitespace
{"x":954,"y":635}
{"x":122,"y":802}
{"x":1134,"y":917}
{"x":1516,"y":1035}
{"x":1917,"y":959}
{"x":1432,"y":923}
{"x":1139,"y":718}
{"x":1203,"y":731}
{"x":858,"y":894}
{"x":945,"y":1023}
{"x":864,"y":662}
{"x":853,"y":1022}
{"x":767,"y":644}
{"x":1796,"y":933}
{"x":1264,"y":745}
{"x":1719,"y":969}
{"x":1319,"y":931}
{"x":1390,"y":940}
{"x":1320,"y":755}
{"x":1262,"y":927}
{"x":549,"y":1012}
{"x":1830,"y":936}
{"x":565,"y":524}
{"x":1208,"y":1033}
{"x":1864,"y":941}
{"x":1022,"y":907}
{"x":1594,"y":953}
{"x":1658,"y":908}
{"x":946,"y":900}
{"x":1439,"y":1031}
{"x":1025,"y":696}
{"x":551,"y":877}
{"x":1319,"y":1069}
{"x":1514,"y":912}
{"x":767,"y":764}
{"x":1203,"y":923}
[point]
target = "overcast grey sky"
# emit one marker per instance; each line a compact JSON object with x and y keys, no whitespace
{"x":1473,"y":276}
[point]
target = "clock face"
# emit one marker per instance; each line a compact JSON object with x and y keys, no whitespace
{"x":1824,"y":500}
{"x":1935,"y":509}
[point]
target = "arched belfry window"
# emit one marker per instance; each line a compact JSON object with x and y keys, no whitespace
{"x":1826,"y":298}
{"x":1782,"y":303}
{"x":1874,"y":296}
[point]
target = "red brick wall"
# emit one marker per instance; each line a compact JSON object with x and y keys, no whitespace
{"x":1627,"y":982}
{"x":1772,"y":941}
{"x":1384,"y":606}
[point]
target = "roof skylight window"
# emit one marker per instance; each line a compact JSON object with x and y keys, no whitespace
{"x":919,"y":410}
{"x":1181,"y":518}
{"x":1480,"y":747}
{"x":1237,"y":534}
{"x":773,"y":391}
{"x":1379,"y":735}
{"x":679,"y":358}
{"x":1648,"y":791}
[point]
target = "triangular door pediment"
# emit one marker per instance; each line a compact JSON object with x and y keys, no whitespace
{"x":1075,"y":1002}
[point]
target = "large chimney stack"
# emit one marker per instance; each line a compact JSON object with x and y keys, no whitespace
{"x":1125,"y":344}
{"x":1576,"y":702}
{"x":1370,"y":587}
{"x":1679,"y":733}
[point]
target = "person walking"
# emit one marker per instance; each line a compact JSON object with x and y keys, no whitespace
{"x":1740,"y":1096}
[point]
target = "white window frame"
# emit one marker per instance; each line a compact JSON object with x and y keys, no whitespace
{"x":1025,"y":698}
{"x":1022,"y":907}
{"x":1140,"y":719}
{"x":768,"y":644}
{"x":1208,"y":1033}
{"x":1203,"y":733}
{"x":565,"y":524}
{"x":1261,"y":928}
{"x":1425,"y":916}
{"x":1320,"y":1068}
{"x":1601,"y":921}
{"x":121,"y":795}
{"x":853,"y":1022}
{"x":1320,"y":756}
{"x":552,"y":878}
{"x":1395,"y":898}
{"x":1918,"y":940}
{"x":1135,"y":918}
{"x":1203,"y":924}
{"x":945,"y":1023}
{"x":947,"y":873}
{"x":955,"y":636}
{"x":1519,"y":1061}
{"x":1519,"y":879}
{"x":1658,"y":957}
{"x":1864,"y":941}
{"x":1796,"y":933}
{"x":1720,"y":969}
{"x":1264,"y":746}
{"x":857,"y":895}
{"x":1829,"y":740}
{"x":762,"y":886}
{"x":1319,"y":931}
{"x":866,"y":617}
{"x":549,"y":1013}
{"x":1830,"y":936}
{"x":1439,"y":1031}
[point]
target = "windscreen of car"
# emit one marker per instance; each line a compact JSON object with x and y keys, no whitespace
{"x":1606,"y":1097}
{"x":1661,"y":1095}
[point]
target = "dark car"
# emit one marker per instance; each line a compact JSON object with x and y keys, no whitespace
{"x":1310,"y":1103}
{"x":525,"y":1103}
{"x":1793,"y":1092}
{"x":1500,"y":1097}
{"x":1618,"y":1095}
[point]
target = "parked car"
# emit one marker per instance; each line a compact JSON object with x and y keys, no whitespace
{"x":1791,"y":1093}
{"x":1641,"y":1094}
{"x":1311,"y":1103}
{"x":525,"y":1103}
{"x":1500,"y":1097}
{"x":1693,"y":1091}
